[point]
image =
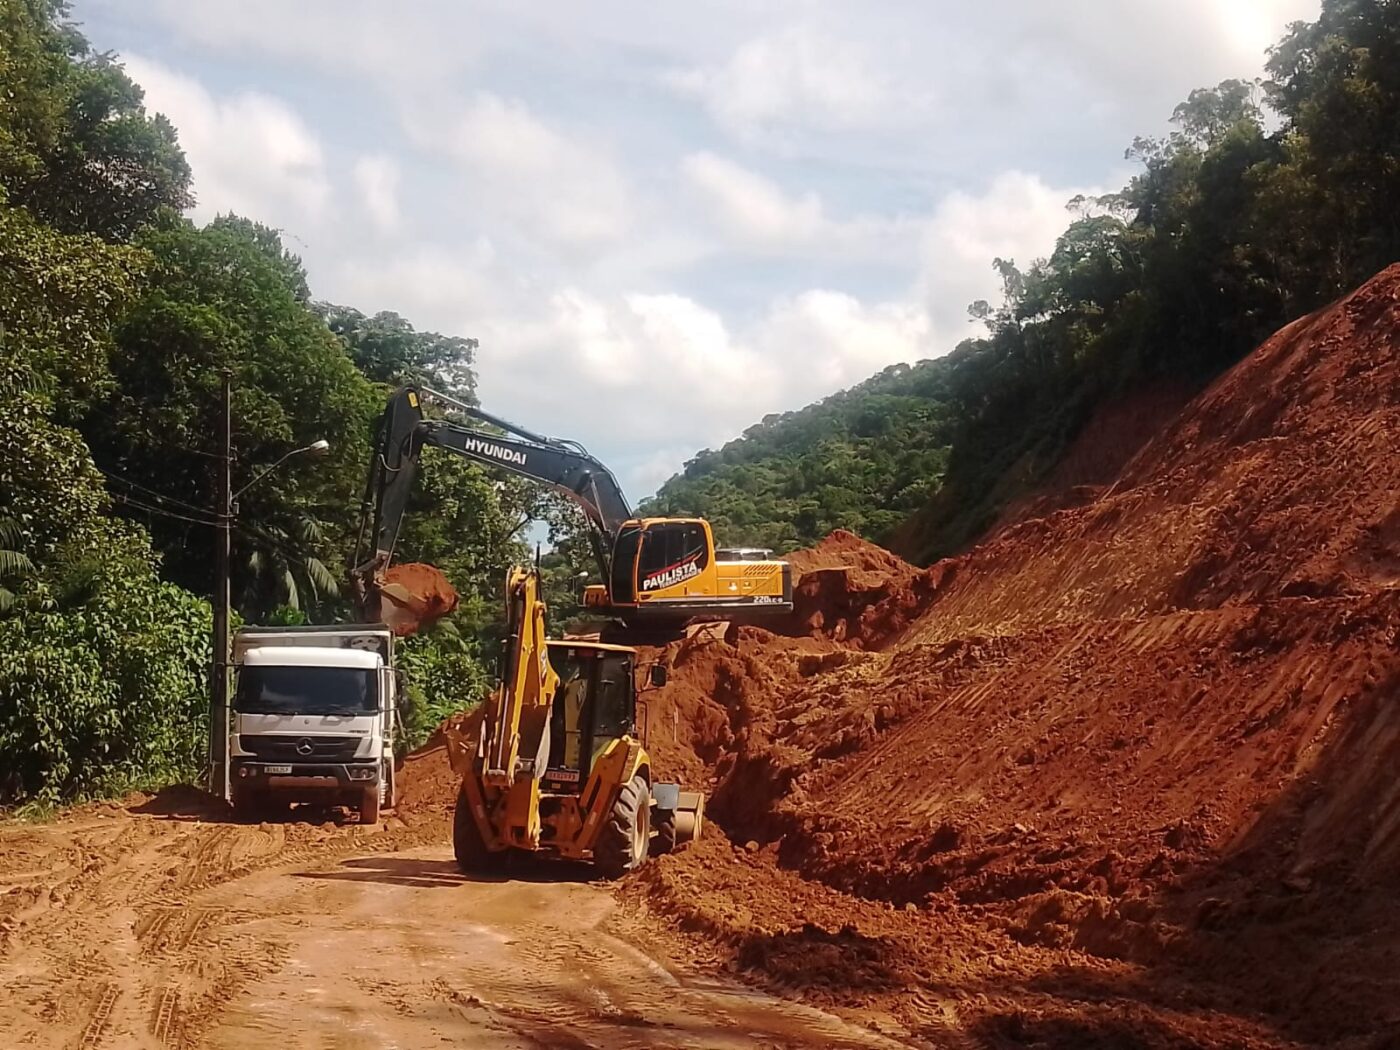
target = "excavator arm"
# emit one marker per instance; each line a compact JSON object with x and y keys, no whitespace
{"x":403,"y":432}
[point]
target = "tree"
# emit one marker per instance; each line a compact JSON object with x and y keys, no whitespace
{"x":387,"y":349}
{"x":227,"y":297}
{"x":76,"y":144}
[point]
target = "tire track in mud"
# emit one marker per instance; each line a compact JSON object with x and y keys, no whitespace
{"x":169,"y":933}
{"x":101,"y":1016}
{"x":166,"y":1018}
{"x":109,"y":899}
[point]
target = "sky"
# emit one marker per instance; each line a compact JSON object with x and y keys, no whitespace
{"x":666,"y":221}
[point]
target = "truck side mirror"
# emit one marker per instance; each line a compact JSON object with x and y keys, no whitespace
{"x":658,"y":675}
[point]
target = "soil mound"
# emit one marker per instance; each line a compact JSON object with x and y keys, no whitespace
{"x":849,"y":590}
{"x":1134,"y":750}
{"x":1280,"y":480}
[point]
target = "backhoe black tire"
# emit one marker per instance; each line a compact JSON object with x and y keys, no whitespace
{"x":625,"y":837}
{"x":473,"y":858}
{"x":664,"y":841}
{"x":369,"y":804}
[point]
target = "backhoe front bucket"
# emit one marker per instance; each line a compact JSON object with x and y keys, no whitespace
{"x":690,"y":815}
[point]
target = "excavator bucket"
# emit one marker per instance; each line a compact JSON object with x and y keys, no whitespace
{"x":411,"y":597}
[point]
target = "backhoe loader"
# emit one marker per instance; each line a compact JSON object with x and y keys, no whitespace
{"x":656,"y":572}
{"x":551,"y":762}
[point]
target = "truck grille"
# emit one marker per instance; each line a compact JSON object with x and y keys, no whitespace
{"x":295,"y":748}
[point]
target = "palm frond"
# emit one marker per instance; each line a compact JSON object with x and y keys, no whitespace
{"x":308,"y":530}
{"x":322,"y":580}
{"x":13,"y":563}
{"x":290,"y":584}
{"x":10,"y":532}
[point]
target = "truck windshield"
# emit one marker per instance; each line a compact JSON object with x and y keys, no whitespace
{"x":268,"y":690}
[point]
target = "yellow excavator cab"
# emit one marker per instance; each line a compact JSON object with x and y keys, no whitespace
{"x":669,"y":569}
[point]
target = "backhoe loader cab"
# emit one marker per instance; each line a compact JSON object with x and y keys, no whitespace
{"x":594,"y":705}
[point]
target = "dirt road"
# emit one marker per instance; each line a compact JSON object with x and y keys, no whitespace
{"x":124,"y":929}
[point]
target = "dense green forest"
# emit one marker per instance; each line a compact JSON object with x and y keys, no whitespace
{"x":1265,"y":201}
{"x":117,"y":318}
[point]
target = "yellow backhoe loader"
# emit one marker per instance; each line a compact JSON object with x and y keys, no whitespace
{"x":551,"y":761}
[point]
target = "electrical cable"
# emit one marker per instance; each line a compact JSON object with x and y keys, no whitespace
{"x":152,"y":492}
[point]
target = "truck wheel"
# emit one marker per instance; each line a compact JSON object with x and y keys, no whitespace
{"x":391,"y":786}
{"x":622,"y":843}
{"x":665,"y":839}
{"x":473,"y":858}
{"x":242,"y":800}
{"x":369,"y":804}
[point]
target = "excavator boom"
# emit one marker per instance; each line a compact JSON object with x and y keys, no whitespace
{"x":663,"y":571}
{"x":403,"y":432}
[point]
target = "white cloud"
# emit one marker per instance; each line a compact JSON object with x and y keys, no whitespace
{"x":799,"y":76}
{"x":750,"y":206}
{"x":377,"y":177}
{"x":251,"y":154}
{"x":756,"y":213}
{"x":559,"y":187}
{"x":665,"y":375}
{"x":362,"y":40}
{"x":835,"y":341}
{"x":1018,"y":217}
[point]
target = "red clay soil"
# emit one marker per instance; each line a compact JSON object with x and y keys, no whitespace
{"x":1110,"y":438}
{"x":1121,"y":776}
{"x":413,"y":596}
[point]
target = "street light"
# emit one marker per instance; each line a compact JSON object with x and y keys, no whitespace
{"x":318,"y":449}
{"x":218,"y":716}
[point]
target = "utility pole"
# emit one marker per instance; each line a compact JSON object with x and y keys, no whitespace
{"x":218,"y":712}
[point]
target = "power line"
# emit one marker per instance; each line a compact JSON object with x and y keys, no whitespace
{"x":248,"y":532}
{"x":152,"y":492}
{"x":128,"y":501}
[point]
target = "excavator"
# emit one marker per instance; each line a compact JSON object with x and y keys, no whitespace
{"x":551,"y":761}
{"x":657,"y":572}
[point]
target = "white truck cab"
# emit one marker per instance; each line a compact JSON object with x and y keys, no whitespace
{"x":315,"y":712}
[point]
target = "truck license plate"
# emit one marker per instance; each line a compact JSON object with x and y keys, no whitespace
{"x":277,"y":769}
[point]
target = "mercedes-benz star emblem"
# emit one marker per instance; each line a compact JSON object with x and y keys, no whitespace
{"x":305,"y":746}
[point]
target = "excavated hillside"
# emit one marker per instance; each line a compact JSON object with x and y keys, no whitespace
{"x":1121,"y":776}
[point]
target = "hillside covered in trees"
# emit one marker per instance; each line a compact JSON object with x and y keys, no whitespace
{"x":1266,"y":201}
{"x":117,"y":318}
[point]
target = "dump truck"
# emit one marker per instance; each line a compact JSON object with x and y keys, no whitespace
{"x":552,"y":761}
{"x":316,"y":712}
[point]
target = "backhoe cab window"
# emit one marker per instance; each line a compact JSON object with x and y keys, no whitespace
{"x":592,"y":708}
{"x":612,"y":714}
{"x":671,"y":554}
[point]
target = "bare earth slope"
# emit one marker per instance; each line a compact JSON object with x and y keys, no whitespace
{"x":1123,"y":775}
